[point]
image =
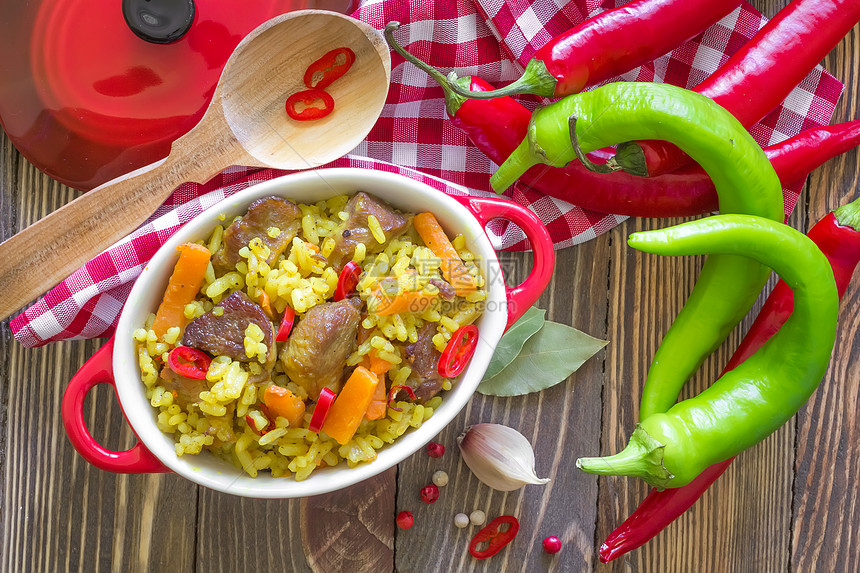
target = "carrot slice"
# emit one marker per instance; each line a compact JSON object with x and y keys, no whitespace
{"x":284,"y":403}
{"x":452,"y":267}
{"x":266,"y":304}
{"x":351,"y":404}
{"x":379,"y":401}
{"x":184,"y":283}
{"x":378,"y":365}
{"x":409,"y":301}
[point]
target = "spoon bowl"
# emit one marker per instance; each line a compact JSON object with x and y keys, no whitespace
{"x":246,"y":123}
{"x":269,"y":65}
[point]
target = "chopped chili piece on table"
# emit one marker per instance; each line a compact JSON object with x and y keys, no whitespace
{"x":321,"y":410}
{"x":309,"y":100}
{"x":495,"y":538}
{"x":332,"y":66}
{"x":459,"y":351}
{"x":347,"y":281}
{"x":189,"y":362}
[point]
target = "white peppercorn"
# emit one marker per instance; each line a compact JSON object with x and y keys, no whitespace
{"x":478,"y":517}
{"x":461,"y":520}
{"x":440,"y":478}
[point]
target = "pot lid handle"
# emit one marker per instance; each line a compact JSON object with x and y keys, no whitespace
{"x":158,"y":21}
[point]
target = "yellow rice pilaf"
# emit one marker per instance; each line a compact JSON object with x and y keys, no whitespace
{"x":300,"y":279}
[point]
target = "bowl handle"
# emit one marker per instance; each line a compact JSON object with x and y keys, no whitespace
{"x":99,"y":370}
{"x":522,"y":296}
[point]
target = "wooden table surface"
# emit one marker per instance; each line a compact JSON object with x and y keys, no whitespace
{"x":789,"y":504}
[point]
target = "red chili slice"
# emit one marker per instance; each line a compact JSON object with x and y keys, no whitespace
{"x":393,"y":392}
{"x":189,"y":362}
{"x":332,"y":66}
{"x":253,"y":425}
{"x":324,"y":403}
{"x":459,"y":351}
{"x":310,"y":111}
{"x":286,"y":324}
{"x":495,"y":538}
{"x":347,"y":280}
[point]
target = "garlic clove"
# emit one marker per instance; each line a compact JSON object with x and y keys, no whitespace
{"x":499,"y":456}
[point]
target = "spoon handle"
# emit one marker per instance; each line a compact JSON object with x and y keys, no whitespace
{"x":49,"y":250}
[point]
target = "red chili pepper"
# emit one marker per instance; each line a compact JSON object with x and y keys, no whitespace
{"x":459,"y":351}
{"x":286,"y":324}
{"x":333,"y":65}
{"x":838,"y":237}
{"x":758,"y":77}
{"x":493,"y":535}
{"x":324,"y":403}
{"x":497,"y":127}
{"x":614,"y":42}
{"x":393,"y":392}
{"x":189,"y":362}
{"x":309,"y":98}
{"x":269,"y":427}
{"x":347,"y":280}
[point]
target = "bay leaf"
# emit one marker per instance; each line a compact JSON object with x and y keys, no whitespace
{"x":512,"y":341}
{"x":548,"y":357}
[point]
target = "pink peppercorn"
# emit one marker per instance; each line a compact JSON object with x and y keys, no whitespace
{"x":405,"y":520}
{"x":552,"y":544}
{"x":429,"y":493}
{"x":435,"y":450}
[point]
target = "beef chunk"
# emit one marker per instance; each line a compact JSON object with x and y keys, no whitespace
{"x":355,"y":230}
{"x":262,"y":215}
{"x":185,"y":390}
{"x":225,"y":334}
{"x":446,"y":291}
{"x":221,"y":430}
{"x":316,"y":352}
{"x":423,"y":358}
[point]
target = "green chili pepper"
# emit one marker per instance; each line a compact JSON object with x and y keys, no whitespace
{"x":744,"y":179}
{"x":750,"y":402}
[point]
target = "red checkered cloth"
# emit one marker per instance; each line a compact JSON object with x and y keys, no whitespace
{"x":493,"y":39}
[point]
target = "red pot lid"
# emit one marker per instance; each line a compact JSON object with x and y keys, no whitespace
{"x":100,"y":93}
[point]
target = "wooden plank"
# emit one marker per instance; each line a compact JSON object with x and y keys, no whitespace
{"x":561,"y":423}
{"x":58,"y":512}
{"x":826,"y":509}
{"x":348,"y":530}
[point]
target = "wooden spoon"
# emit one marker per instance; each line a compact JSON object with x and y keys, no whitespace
{"x":245,"y":124}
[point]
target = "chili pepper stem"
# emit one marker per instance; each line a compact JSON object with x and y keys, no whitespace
{"x":631,"y":158}
{"x":520,"y":161}
{"x":452,"y":100}
{"x":849,"y":215}
{"x":536,"y":80}
{"x":643,"y":457}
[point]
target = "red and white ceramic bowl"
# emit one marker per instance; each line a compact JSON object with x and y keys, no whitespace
{"x":116,"y":363}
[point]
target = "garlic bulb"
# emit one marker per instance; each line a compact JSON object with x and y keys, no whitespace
{"x":499,"y":456}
